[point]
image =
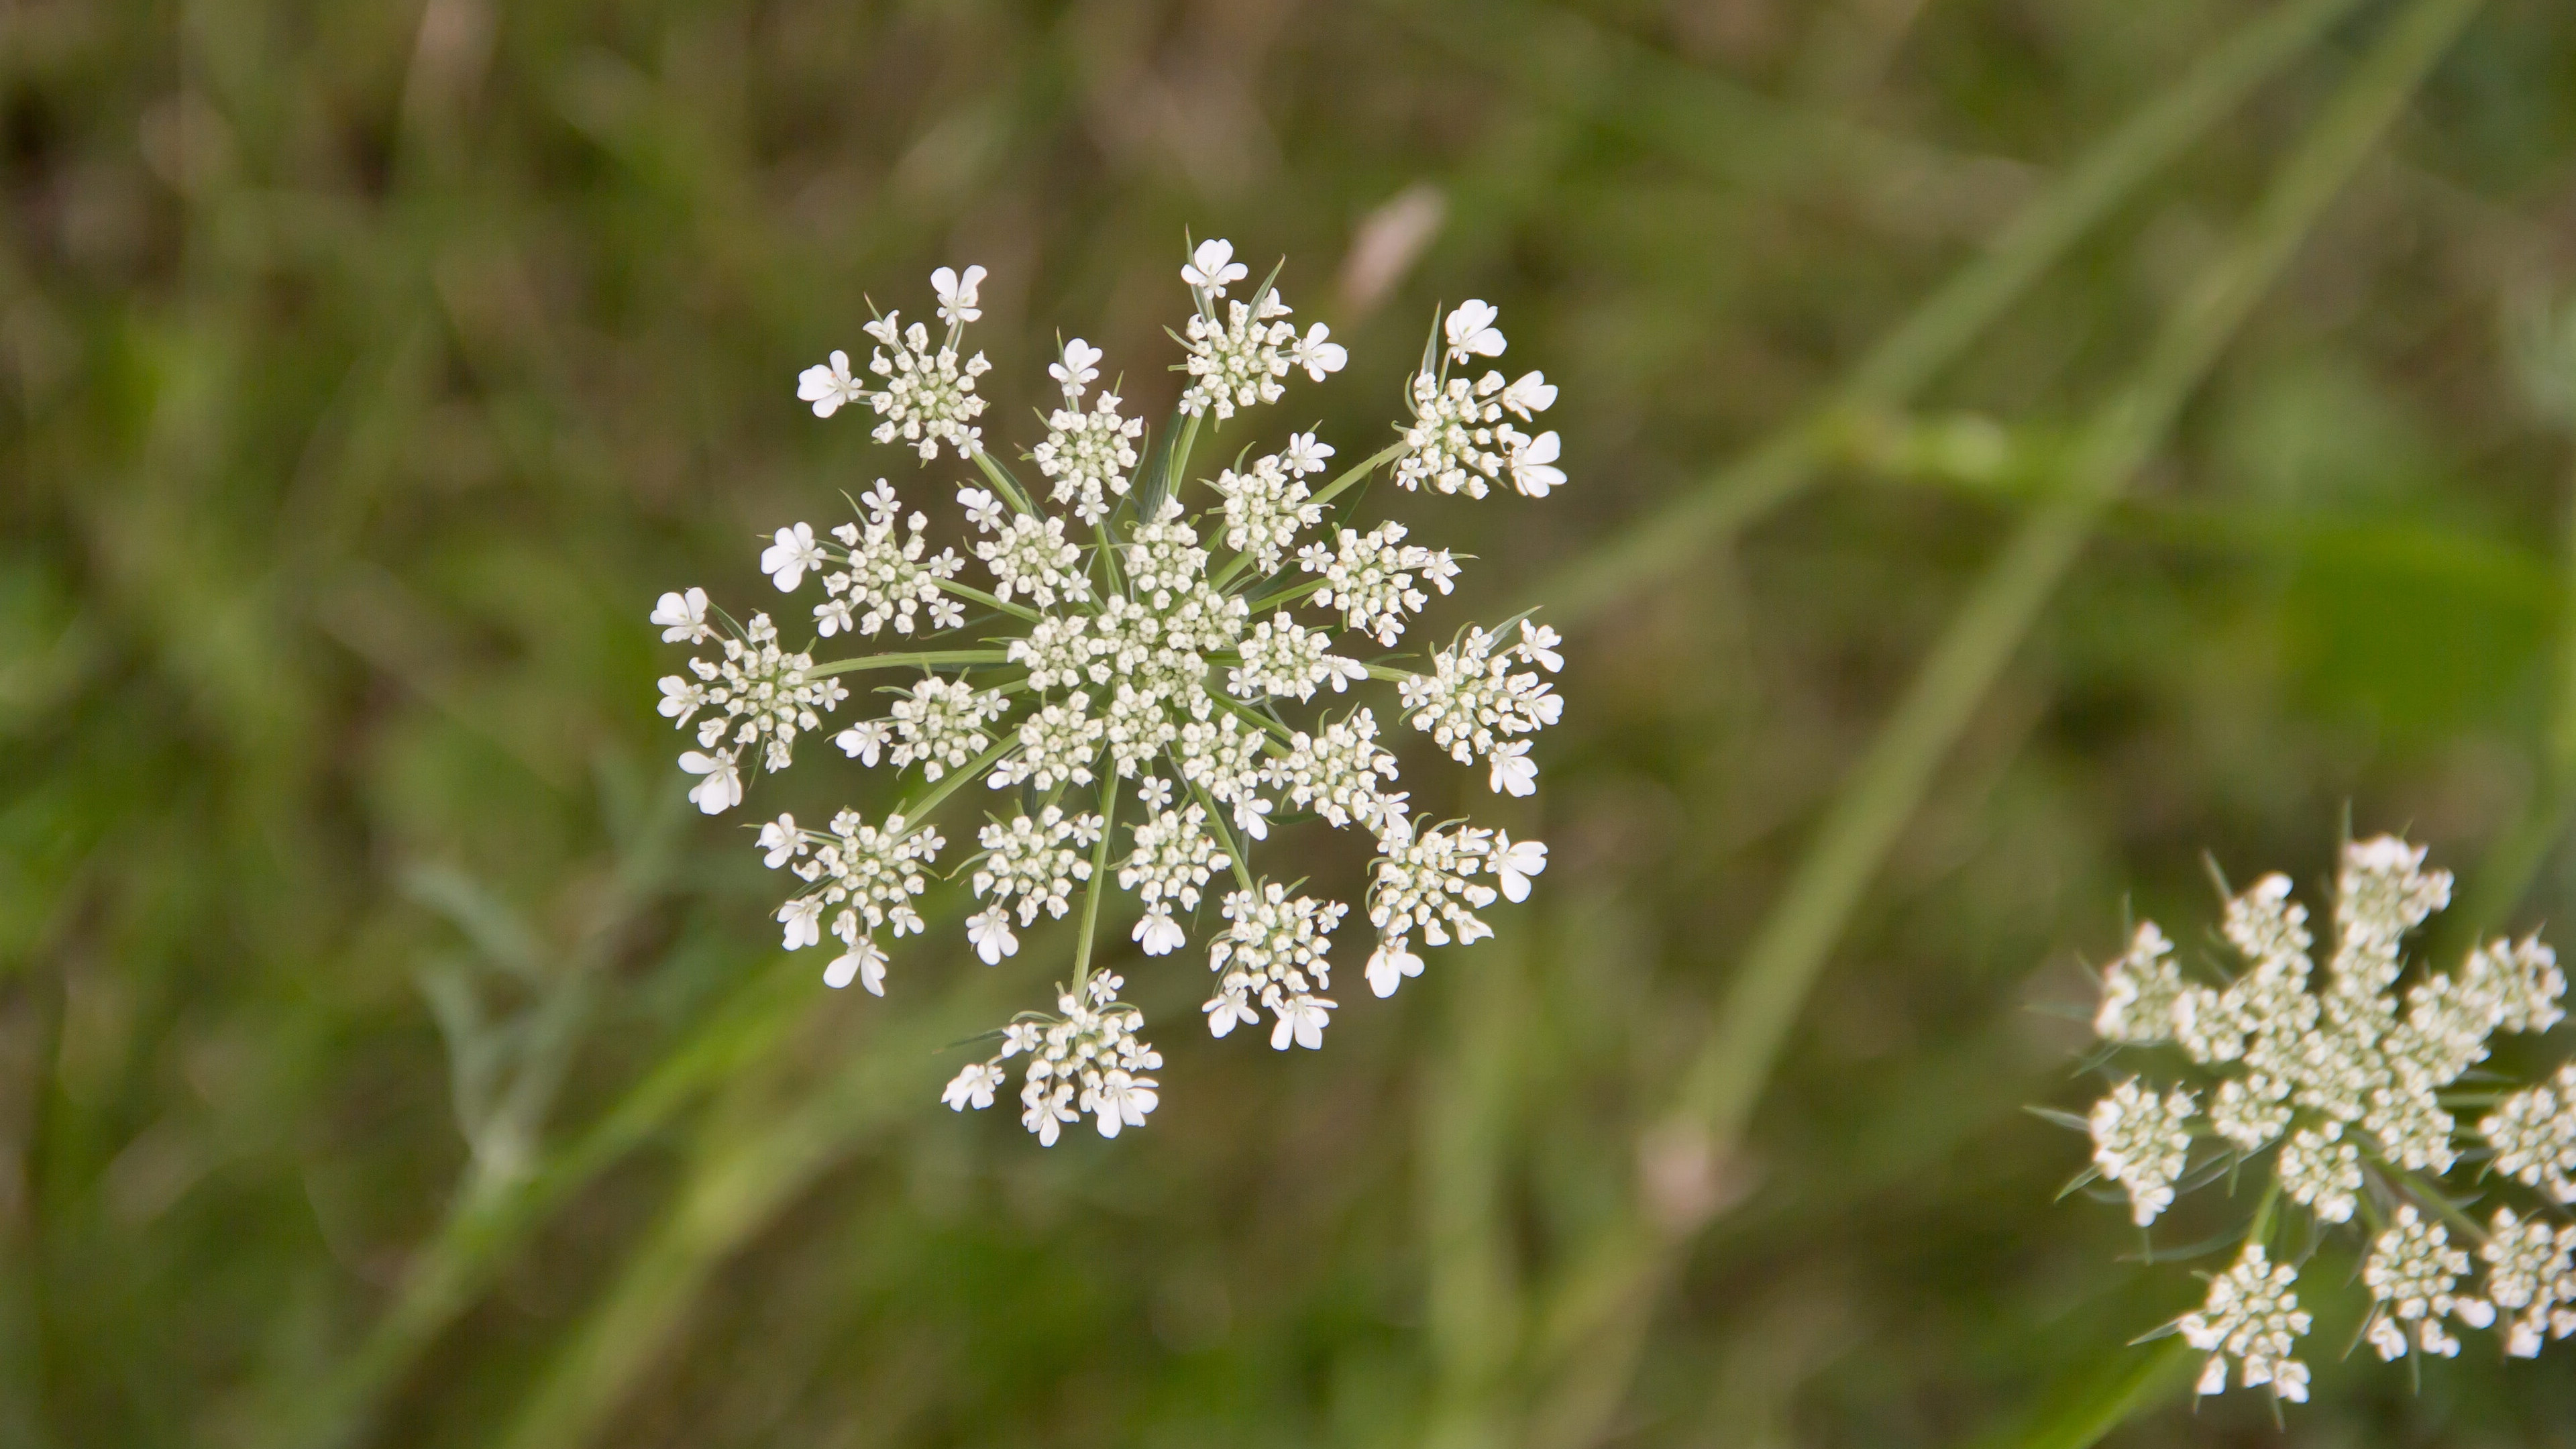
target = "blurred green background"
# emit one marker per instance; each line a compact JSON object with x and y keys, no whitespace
{"x":388,"y":1056}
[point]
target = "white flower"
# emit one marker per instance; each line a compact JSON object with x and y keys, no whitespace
{"x":1039,"y":861}
{"x":2315,"y":1061}
{"x":2411,"y":1271}
{"x":1515,"y":861}
{"x":1151,"y":685}
{"x":1089,"y":454}
{"x":683,"y":617}
{"x":829,"y":387}
{"x":2322,"y":1170}
{"x":1273,"y":951}
{"x":2252,"y":1316}
{"x":872,"y":874}
{"x":1212,"y":267}
{"x":1283,"y":657}
{"x":2531,"y":1274}
{"x":1079,"y":367}
{"x":1426,"y":881}
{"x":972,"y":1087}
{"x":1087,"y":1058}
{"x":1538,"y":646}
{"x":1533,"y":465}
{"x":887,"y":580}
{"x":1318,"y":356}
{"x":1531,"y":393}
{"x":939,"y":726}
{"x":757,"y":693}
{"x":1302,"y":1019}
{"x":1369,"y":577}
{"x":1157,"y":934}
{"x":864,"y":962}
{"x":787,"y":558}
{"x":1237,"y":361}
{"x":782,"y":840}
{"x":803,"y":920}
{"x":1265,"y":508}
{"x":989,"y":932}
{"x":2533,"y":1132}
{"x":1338,"y":773}
{"x":862,"y":741}
{"x":721,"y":790}
{"x":1471,"y":331}
{"x":1304,"y":455}
{"x":681,"y":699}
{"x":983,"y":510}
{"x":2139,"y":992}
{"x":957,"y":295}
{"x":2346,"y":1067}
{"x":1120,"y":1100}
{"x":1472,"y":699}
{"x":1034,"y":558}
{"x":1389,"y":964}
{"x":1173,"y":857}
{"x":1057,"y":746}
{"x":2140,"y":1141}
{"x":927,"y":396}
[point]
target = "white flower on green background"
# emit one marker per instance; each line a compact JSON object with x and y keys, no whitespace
{"x":2343,"y":1091}
{"x":1146,"y":676}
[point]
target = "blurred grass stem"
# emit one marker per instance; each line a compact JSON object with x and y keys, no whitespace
{"x":1888,"y":785}
{"x":1907,"y":360}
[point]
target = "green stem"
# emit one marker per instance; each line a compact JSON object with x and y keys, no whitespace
{"x":2430,"y":1195}
{"x":1392,"y":676}
{"x":1096,"y":887}
{"x":1279,"y":732}
{"x":919,"y":810}
{"x":1002,"y":480}
{"x":930,"y":660}
{"x":1179,"y":468}
{"x":1358,"y":471}
{"x":1224,"y":836}
{"x":1108,"y":557}
{"x":968,"y":591}
{"x":1285,"y":597}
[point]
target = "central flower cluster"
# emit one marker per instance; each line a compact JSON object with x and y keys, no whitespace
{"x":1138,"y":634}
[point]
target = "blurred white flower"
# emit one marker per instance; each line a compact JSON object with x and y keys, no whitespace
{"x":829,"y":386}
{"x":789,"y":556}
{"x":1212,"y":268}
{"x":683,"y":617}
{"x":1077,"y":369}
{"x":2346,"y":1068}
{"x":1472,"y":332}
{"x":957,"y":295}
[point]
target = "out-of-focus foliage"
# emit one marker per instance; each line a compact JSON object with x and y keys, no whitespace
{"x":367,"y":369}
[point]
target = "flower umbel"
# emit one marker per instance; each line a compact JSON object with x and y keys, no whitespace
{"x":1137,"y":623}
{"x":2339,"y":1090}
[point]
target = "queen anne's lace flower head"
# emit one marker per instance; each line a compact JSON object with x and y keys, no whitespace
{"x":2340,"y":1082}
{"x":1145,"y":670}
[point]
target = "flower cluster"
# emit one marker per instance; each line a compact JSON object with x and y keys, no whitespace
{"x":1087,"y":1059}
{"x":1129,"y":660}
{"x":2344,"y":1091}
